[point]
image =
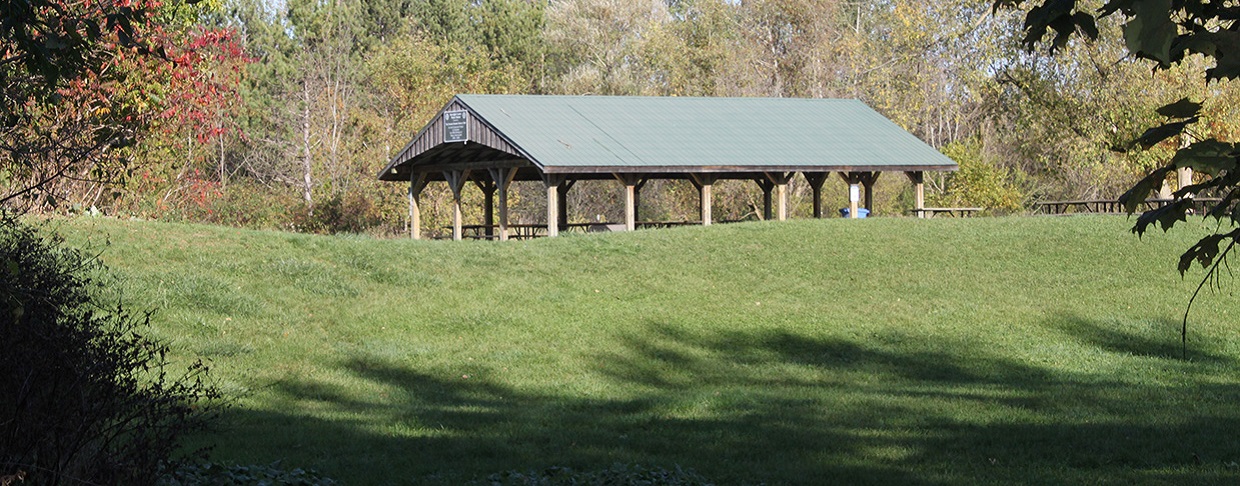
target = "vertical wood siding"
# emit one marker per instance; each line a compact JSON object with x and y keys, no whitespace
{"x":433,"y":135}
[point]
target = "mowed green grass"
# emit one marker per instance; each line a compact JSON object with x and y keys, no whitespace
{"x":885,"y":351}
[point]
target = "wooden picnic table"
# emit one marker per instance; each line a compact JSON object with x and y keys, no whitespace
{"x":520,"y":231}
{"x":953,"y":212}
{"x":515,"y":231}
{"x":1110,"y":206}
{"x":1099,"y":206}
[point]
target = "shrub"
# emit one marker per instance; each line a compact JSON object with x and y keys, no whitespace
{"x":85,"y":398}
{"x":980,"y":182}
{"x":341,"y":213}
{"x":250,"y":205}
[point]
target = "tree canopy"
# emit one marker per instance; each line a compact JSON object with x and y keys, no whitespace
{"x":277,"y":114}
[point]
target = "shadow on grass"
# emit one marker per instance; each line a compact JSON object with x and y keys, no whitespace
{"x":1159,"y":339}
{"x":772,"y":407}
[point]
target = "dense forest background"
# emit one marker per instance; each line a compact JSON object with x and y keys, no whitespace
{"x":279,"y":114}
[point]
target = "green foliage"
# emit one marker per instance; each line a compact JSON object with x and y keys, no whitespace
{"x":448,"y":20}
{"x":245,"y":204}
{"x":342,"y":213}
{"x":87,"y":397}
{"x":417,"y":75}
{"x":513,"y":31}
{"x":598,"y":45}
{"x":1062,"y":118}
{"x":509,"y":31}
{"x":248,"y":205}
{"x":979,"y":182}
{"x":50,"y":42}
{"x":72,"y":94}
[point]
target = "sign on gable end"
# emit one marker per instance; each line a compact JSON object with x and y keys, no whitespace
{"x":455,"y":126}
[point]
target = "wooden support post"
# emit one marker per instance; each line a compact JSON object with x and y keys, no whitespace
{"x":781,"y":198}
{"x":853,"y":179}
{"x":630,"y":205}
{"x":767,"y":186}
{"x":706,"y":204}
{"x":816,"y":179}
{"x":417,"y":182}
{"x":867,"y":181}
{"x":503,"y":178}
{"x":630,"y":182}
{"x":780,"y":180}
{"x":456,"y":181}
{"x":703,"y":182}
{"x":918,"y":178}
{"x":562,"y":202}
{"x":637,"y":198}
{"x":552,"y":184}
{"x":553,"y":209}
{"x":487,"y":187}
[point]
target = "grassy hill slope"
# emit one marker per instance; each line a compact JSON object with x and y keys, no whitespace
{"x":896,"y":351}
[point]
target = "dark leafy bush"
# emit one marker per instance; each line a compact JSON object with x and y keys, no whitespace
{"x":85,"y":397}
{"x":616,"y":475}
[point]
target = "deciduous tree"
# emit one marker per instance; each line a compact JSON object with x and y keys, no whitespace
{"x":72,"y":95}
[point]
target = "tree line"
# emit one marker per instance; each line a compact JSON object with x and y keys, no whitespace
{"x":274,"y":114}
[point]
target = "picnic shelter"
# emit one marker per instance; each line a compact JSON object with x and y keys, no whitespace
{"x":493,"y":140}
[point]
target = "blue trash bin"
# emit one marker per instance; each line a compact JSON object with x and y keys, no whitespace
{"x":861,"y":212}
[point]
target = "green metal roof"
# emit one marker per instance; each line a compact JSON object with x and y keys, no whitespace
{"x":566,"y":134}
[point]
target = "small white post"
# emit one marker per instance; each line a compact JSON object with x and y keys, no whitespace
{"x":854,"y":195}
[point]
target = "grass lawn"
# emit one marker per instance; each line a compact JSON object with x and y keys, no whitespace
{"x":889,"y":351}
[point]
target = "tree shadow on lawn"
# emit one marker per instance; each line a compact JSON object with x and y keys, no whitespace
{"x":1150,"y":339}
{"x":766,"y":406}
